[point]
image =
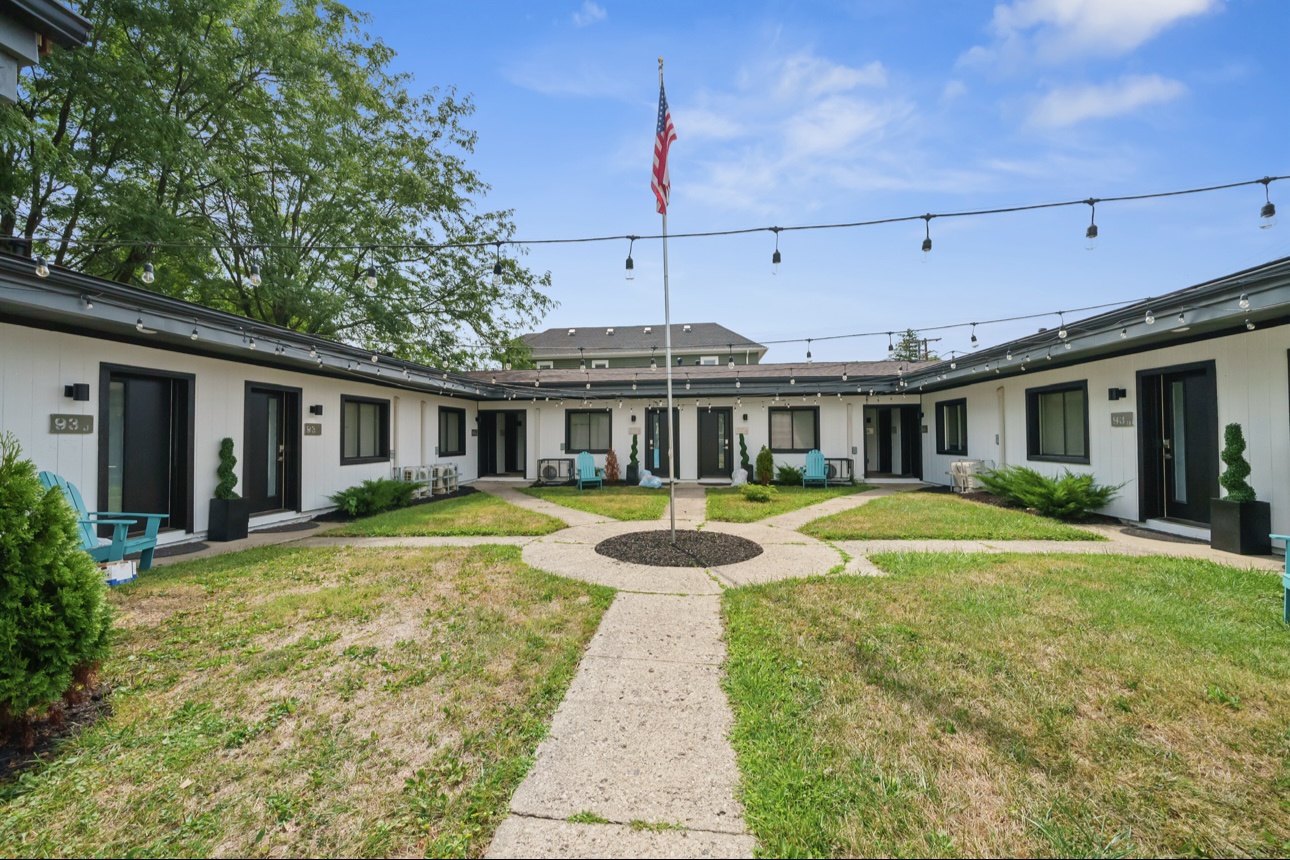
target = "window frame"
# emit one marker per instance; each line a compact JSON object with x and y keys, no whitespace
{"x":941,"y":406}
{"x":599,"y":363}
{"x":544,"y":364}
{"x":383,"y":422}
{"x":770,"y":436}
{"x":461,"y":416}
{"x":568,"y":427}
{"x":709,"y":361}
{"x":1033,"y":429}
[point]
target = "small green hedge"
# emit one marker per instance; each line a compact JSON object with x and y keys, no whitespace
{"x":373,"y":497}
{"x":1069,"y":497}
{"x":759,"y":492}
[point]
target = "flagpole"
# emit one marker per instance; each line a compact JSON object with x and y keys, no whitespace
{"x":667,"y":351}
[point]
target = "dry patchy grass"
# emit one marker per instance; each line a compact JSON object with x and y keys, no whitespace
{"x":477,"y":514}
{"x":305,"y":702}
{"x":727,"y":504}
{"x":618,"y":503}
{"x":1017,"y":706}
{"x":934,"y":516}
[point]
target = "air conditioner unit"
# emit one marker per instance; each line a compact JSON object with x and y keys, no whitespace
{"x":555,"y":470}
{"x":963,"y":475}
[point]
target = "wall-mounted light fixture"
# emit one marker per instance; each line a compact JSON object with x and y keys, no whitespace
{"x":1116,"y":393}
{"x":77,"y":391}
{"x":316,"y":409}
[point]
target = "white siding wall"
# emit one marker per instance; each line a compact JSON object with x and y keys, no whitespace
{"x":1252,"y":390}
{"x":36,"y":364}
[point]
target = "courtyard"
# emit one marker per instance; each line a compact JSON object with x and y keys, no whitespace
{"x":981,"y":682}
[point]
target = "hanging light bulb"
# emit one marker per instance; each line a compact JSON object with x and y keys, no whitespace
{"x":1009,"y":354}
{"x":808,"y":350}
{"x":89,"y":303}
{"x":687,"y":382}
{"x":975,"y":342}
{"x":631,"y":267}
{"x":633,"y":382}
{"x":1244,"y":302}
{"x":730,"y":361}
{"x":1269,"y":211}
{"x":582,"y":361}
{"x":1249,"y":326}
{"x":1182,"y":318}
{"x":251,"y":345}
{"x":1066,"y":344}
{"x":375,"y":358}
{"x":792,"y":377}
{"x":891,"y":347}
{"x":138,"y":324}
{"x":195,"y":334}
{"x":313,"y":352}
{"x":844,"y":374}
{"x":149,"y":275}
{"x":1061,"y":330}
{"x":737,"y":384}
{"x":371,"y":276}
{"x":497,"y":267}
{"x":42,"y":268}
{"x":653,"y":364}
{"x":775,"y":258}
{"x":1150,"y":318}
{"x":927,"y":235}
{"x":1090,"y":235}
{"x":255,"y":275}
{"x":1124,"y":333}
{"x":954,"y":365}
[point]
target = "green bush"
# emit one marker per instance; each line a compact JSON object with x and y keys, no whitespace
{"x":227,"y":477}
{"x":765,"y":465}
{"x":1070,"y":497}
{"x":372,"y":497}
{"x":54,"y":615}
{"x":788,"y":475}
{"x":758,"y":492}
{"x":1233,"y":477}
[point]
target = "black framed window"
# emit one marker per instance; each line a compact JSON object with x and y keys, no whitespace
{"x":587,"y":430}
{"x":364,"y":430}
{"x":452,"y":432}
{"x":1057,"y":423}
{"x":951,"y":426}
{"x":794,"y":430}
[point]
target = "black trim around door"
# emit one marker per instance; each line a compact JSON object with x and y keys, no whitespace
{"x":648,"y":462}
{"x":290,"y":431}
{"x":713,"y":444}
{"x":1151,"y":494}
{"x":182,"y":424}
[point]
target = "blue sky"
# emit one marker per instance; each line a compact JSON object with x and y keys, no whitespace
{"x":797,"y":113}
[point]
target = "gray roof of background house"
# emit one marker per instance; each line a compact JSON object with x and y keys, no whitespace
{"x":635,"y":338}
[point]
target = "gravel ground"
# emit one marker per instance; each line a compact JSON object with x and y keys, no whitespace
{"x":693,"y":549}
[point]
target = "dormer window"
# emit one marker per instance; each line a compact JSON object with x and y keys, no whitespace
{"x":685,"y":328}
{"x":649,"y":329}
{"x":572,"y":332}
{"x":609,"y":331}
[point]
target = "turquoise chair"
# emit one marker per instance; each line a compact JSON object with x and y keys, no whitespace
{"x":1285,"y":580}
{"x":816,"y":471}
{"x":120,"y":544}
{"x":587,"y":471}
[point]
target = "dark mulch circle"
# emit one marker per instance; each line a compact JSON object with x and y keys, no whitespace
{"x":339,"y":516}
{"x":178,"y":549}
{"x":693,"y":549}
{"x":289,"y":527}
{"x":1152,"y":534}
{"x":17,"y":753}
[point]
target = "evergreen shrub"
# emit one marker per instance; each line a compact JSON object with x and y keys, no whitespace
{"x":54,"y":616}
{"x":759,"y":493}
{"x":372,"y":497}
{"x":1070,"y":497}
{"x":1233,"y":477}
{"x":227,"y":477}
{"x":788,"y":475}
{"x":765,"y":465}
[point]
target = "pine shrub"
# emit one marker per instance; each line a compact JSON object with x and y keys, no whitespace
{"x":1070,"y":497}
{"x":765,"y":465}
{"x":54,"y":617}
{"x":372,"y":497}
{"x":1233,"y":477}
{"x":227,"y":477}
{"x":788,"y":475}
{"x":759,"y":493}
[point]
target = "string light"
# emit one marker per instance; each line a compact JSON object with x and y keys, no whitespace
{"x":736,"y":380}
{"x":1249,"y":326}
{"x":138,"y":324}
{"x":891,"y":347}
{"x":497,"y":267}
{"x":1269,"y":211}
{"x":89,"y":303}
{"x":808,"y":350}
{"x":582,"y":360}
{"x":313,"y":352}
{"x":1244,"y":302}
{"x":844,"y":375}
{"x":927,"y":234}
{"x":975,"y":342}
{"x":1124,"y":333}
{"x":775,"y":258}
{"x":631,"y":267}
{"x":1061,"y":331}
{"x":1090,"y":235}
{"x":730,"y":361}
{"x":687,"y":382}
{"x":149,"y":275}
{"x":42,"y":268}
{"x":255,"y":275}
{"x":653,"y":365}
{"x":1150,"y":318}
{"x":195,"y":333}
{"x":370,"y":275}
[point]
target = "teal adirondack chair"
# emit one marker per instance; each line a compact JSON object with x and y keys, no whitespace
{"x":587,"y":471}
{"x":816,"y":472}
{"x":120,"y":544}
{"x":1285,"y":580}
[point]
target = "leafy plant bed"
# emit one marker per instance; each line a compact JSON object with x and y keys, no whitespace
{"x":692,"y":549}
{"x":1013,"y":705}
{"x":728,"y":505}
{"x":312,"y":702}
{"x":934,"y":516}
{"x":466,"y":514}
{"x":339,"y":516}
{"x":614,"y":501}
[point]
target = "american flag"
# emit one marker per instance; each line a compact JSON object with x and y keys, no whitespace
{"x":660,"y":181}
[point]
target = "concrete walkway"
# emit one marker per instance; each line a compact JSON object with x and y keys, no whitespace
{"x":691,"y":506}
{"x":508,"y":493}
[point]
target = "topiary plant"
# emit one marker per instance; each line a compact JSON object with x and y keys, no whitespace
{"x":611,"y":466}
{"x":633,"y":460}
{"x":227,"y":477}
{"x":54,"y":615}
{"x":743,"y":453}
{"x":1233,"y":477}
{"x":765,"y":465}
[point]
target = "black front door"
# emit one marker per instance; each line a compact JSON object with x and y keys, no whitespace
{"x":884,"y":441}
{"x":911,"y":442}
{"x":715,"y":442}
{"x":656,"y":441}
{"x":1179,"y":442}
{"x":145,"y":444}
{"x":487,"y":442}
{"x":514,"y":428}
{"x":270,"y":449}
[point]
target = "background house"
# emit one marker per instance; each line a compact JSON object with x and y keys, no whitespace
{"x":693,"y":345}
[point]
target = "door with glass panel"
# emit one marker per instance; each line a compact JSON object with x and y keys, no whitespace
{"x":657,"y":439}
{"x":270,"y":451}
{"x":715,"y":442}
{"x":1179,"y":442}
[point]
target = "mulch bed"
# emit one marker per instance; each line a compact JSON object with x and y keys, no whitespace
{"x":289,"y":527}
{"x":693,"y":549}
{"x":65,"y":721}
{"x":339,"y":516}
{"x":986,"y":498}
{"x":177,"y":549}
{"x":1152,"y":534}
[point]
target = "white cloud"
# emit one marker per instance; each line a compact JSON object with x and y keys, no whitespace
{"x":1067,"y":106}
{"x":810,"y":76}
{"x":1057,"y":30}
{"x":589,"y":14}
{"x":954,"y":89}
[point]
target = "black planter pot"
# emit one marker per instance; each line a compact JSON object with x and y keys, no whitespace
{"x":1240,"y":527}
{"x":633,"y":475}
{"x":228,"y":519}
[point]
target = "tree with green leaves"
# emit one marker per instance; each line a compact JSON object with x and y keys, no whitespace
{"x":211,"y":136}
{"x":911,"y":347}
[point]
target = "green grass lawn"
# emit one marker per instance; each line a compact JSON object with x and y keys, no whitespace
{"x":477,"y":514}
{"x":1008,"y":705}
{"x":313,"y":702}
{"x":619,"y":503}
{"x":913,"y":516}
{"x":726,"y":505}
